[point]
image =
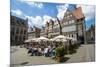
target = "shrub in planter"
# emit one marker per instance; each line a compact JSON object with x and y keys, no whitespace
{"x":72,"y":49}
{"x":60,"y":53}
{"x":76,"y":45}
{"x":66,"y":50}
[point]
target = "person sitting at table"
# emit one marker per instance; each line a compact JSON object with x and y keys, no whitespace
{"x":29,"y":49}
{"x":39,"y":51}
{"x":46,"y":52}
{"x":42,"y":50}
{"x":53,"y":52}
{"x":35,"y":51}
{"x":32,"y":53}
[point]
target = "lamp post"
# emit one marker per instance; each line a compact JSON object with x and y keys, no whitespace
{"x":84,"y":31}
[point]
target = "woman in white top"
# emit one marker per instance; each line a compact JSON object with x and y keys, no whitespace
{"x":46,"y":51}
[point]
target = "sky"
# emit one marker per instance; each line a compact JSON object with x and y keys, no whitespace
{"x":40,"y":12}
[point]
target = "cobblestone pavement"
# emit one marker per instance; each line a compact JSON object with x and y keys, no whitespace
{"x":19,"y":56}
{"x":85,"y":53}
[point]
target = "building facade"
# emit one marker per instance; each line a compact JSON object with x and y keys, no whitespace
{"x":18,"y":30}
{"x":71,"y":25}
{"x":34,"y":33}
{"x":43,"y":32}
{"x":31,"y":34}
{"x":37,"y":32}
{"x":91,"y":34}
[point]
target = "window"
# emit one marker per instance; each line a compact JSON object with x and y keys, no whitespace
{"x":20,"y":38}
{"x":21,"y":32}
{"x":70,"y":15}
{"x":56,"y":30}
{"x":69,"y":28}
{"x":72,"y":35}
{"x":17,"y":20}
{"x":23,"y":38}
{"x":67,"y":22}
{"x":24,"y":31}
{"x":65,"y":17}
{"x":12,"y":30}
{"x":17,"y":30}
{"x":12,"y":19}
{"x":16,"y":38}
{"x":67,"y":12}
{"x":71,"y":21}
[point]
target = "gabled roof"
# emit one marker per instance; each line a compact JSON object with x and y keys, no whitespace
{"x":78,"y":14}
{"x":20,"y":21}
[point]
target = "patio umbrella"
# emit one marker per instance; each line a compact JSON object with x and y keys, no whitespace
{"x":34,"y":39}
{"x":52,"y":39}
{"x":26,"y":40}
{"x":64,"y":40}
{"x":58,"y":40}
{"x":43,"y":38}
{"x":60,"y":37}
{"x":70,"y":38}
{"x":29,"y":40}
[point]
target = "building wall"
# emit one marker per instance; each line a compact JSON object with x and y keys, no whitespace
{"x":91,"y":34}
{"x":19,"y":30}
{"x":31,"y":35}
{"x":43,"y":33}
{"x":34,"y":33}
{"x":71,"y":27}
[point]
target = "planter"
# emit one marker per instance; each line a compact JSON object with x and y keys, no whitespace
{"x":59,"y":59}
{"x":60,"y":53}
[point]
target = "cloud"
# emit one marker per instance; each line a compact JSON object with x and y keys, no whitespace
{"x":17,"y":12}
{"x":32,"y":4}
{"x":38,"y":20}
{"x":47,"y":18}
{"x":34,"y":21}
{"x":61,"y":10}
{"x":89,"y":11}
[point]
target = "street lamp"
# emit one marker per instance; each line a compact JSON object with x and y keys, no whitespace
{"x":84,"y":31}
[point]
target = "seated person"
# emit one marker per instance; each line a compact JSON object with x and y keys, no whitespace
{"x":39,"y":51}
{"x":35,"y":51}
{"x":30,"y":50}
{"x":46,"y":52}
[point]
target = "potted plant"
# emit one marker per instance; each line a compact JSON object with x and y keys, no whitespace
{"x":60,"y":53}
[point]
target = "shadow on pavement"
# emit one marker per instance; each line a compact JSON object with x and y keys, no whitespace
{"x":65,"y":59}
{"x":24,"y":63}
